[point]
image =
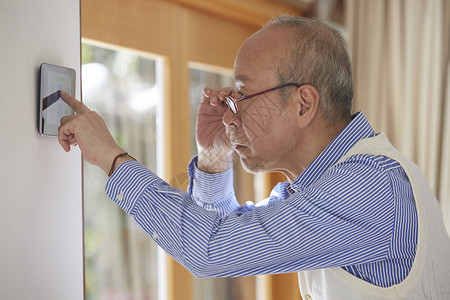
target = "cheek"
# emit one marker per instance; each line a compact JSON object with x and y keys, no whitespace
{"x":266,"y":142}
{"x":277,"y":140}
{"x":259,"y":116}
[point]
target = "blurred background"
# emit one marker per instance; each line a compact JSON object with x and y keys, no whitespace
{"x":144,"y":65}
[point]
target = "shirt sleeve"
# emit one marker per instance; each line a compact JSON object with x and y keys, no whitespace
{"x":326,"y":225}
{"x":212,"y":192}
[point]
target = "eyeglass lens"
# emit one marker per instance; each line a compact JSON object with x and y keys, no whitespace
{"x":231,"y":104}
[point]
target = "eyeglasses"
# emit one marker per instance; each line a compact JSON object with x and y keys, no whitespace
{"x":232,"y":102}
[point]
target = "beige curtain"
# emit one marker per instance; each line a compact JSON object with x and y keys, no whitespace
{"x":400,"y":53}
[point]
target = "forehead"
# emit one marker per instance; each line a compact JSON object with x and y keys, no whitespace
{"x":257,"y":59}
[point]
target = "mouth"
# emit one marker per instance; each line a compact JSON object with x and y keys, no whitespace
{"x":236,"y":144}
{"x":240,"y":149}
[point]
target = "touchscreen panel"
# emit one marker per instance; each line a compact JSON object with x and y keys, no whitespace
{"x":52,"y":108}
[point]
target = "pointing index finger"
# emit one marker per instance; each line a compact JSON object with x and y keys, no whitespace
{"x":76,"y":105}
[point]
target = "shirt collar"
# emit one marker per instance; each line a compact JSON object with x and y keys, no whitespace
{"x":358,"y":129}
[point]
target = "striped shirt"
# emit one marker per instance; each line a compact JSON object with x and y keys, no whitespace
{"x":358,"y":214}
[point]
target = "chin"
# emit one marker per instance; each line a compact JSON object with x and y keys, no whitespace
{"x":253,"y":166}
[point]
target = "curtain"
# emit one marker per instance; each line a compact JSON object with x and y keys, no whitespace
{"x":400,"y":55}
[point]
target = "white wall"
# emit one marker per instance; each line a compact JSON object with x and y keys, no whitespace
{"x":41,"y":248}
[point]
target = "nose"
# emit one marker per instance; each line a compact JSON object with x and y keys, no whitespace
{"x":231,"y":119}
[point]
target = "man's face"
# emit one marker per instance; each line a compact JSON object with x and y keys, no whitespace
{"x":261,"y":130}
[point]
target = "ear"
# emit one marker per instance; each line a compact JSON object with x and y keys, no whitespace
{"x":307,"y":104}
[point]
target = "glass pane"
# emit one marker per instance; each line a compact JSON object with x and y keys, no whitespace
{"x":123,"y":87}
{"x":220,"y":288}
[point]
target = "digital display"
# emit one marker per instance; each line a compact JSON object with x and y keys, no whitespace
{"x":51,"y":107}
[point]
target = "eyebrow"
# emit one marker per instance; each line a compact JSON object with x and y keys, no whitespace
{"x":240,"y":80}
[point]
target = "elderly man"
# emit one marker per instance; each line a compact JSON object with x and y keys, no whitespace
{"x":356,"y":219}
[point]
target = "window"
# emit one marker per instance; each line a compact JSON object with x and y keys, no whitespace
{"x":124,"y":87}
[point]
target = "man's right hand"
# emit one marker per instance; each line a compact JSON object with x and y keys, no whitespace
{"x":87,"y":130}
{"x":213,"y":145}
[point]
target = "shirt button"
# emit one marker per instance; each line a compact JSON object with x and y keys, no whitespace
{"x":308,"y":297}
{"x":194,"y":181}
{"x":155,"y":235}
{"x":120,"y":196}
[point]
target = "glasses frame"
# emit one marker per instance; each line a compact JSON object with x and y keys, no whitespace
{"x":232,"y":102}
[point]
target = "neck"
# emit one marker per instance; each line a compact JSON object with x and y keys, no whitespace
{"x":310,"y":144}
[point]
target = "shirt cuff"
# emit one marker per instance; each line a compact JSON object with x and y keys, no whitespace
{"x":210,"y":188}
{"x":127,"y":184}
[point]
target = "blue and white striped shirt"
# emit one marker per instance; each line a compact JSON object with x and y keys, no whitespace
{"x":359,"y":214}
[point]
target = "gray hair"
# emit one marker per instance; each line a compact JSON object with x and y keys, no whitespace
{"x":318,"y":55}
